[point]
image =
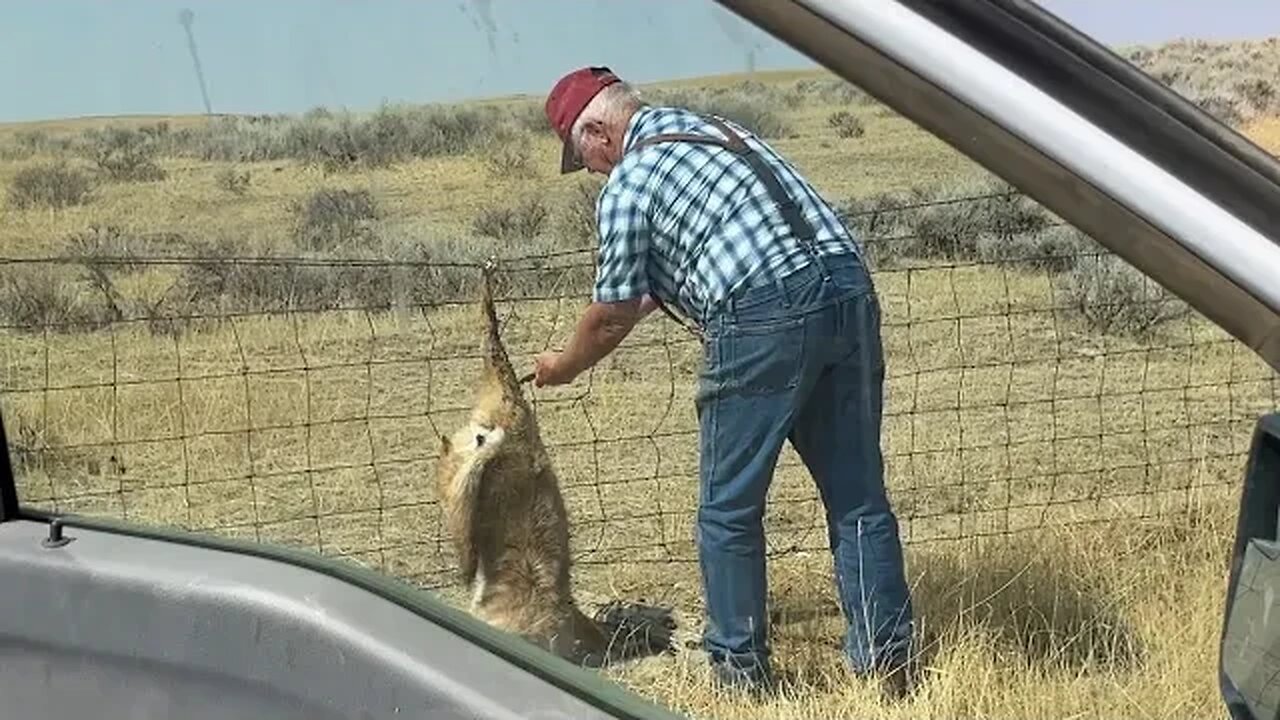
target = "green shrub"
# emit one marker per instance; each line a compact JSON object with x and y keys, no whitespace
{"x":949,"y":228}
{"x":524,"y":220}
{"x":344,"y":141}
{"x":99,"y":243}
{"x":511,"y":161}
{"x":125,"y":155}
{"x":1114,"y":297}
{"x":1055,"y":249}
{"x":576,"y":224}
{"x":752,"y":111}
{"x":884,"y":223}
{"x":334,"y":217}
{"x":36,"y":298}
{"x":49,"y":185}
{"x":233,"y":181}
{"x":419,"y":270}
{"x":846,"y":124}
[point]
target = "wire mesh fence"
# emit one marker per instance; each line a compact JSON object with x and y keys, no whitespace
{"x":1033,"y":379}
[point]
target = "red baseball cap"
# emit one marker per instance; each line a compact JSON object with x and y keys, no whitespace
{"x":566,"y":102}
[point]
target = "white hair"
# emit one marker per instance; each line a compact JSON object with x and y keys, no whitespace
{"x":612,"y":102}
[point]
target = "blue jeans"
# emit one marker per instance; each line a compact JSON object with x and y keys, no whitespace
{"x":798,"y":360}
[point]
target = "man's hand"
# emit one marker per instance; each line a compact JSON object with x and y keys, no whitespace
{"x":550,"y":370}
{"x":601,"y":328}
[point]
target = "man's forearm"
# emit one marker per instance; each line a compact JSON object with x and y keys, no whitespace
{"x":602,"y":327}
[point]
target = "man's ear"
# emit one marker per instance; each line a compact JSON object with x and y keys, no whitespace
{"x":595,"y":128}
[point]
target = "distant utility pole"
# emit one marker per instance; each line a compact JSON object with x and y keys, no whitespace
{"x":736,"y":30}
{"x":185,"y":17}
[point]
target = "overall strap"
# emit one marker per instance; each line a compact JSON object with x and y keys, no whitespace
{"x":734,"y":143}
{"x":800,"y":228}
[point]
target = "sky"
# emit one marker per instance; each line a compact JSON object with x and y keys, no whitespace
{"x":69,"y":58}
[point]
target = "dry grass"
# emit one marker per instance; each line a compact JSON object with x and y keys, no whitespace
{"x":1116,"y":621}
{"x":346,"y":407}
{"x":1233,"y":80}
{"x":1005,"y":412}
{"x":1266,"y":133}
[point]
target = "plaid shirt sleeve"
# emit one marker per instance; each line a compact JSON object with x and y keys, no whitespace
{"x":622,"y":273}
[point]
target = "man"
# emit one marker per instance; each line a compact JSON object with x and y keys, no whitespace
{"x":709,"y":219}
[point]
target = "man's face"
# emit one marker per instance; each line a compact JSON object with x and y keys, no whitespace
{"x":598,"y":150}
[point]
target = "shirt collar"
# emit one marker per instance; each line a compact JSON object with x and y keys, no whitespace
{"x":633,"y":127}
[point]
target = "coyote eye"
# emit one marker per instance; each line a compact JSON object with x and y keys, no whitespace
{"x":479,"y":440}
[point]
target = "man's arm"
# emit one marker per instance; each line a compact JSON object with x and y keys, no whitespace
{"x":599,"y":331}
{"x":601,"y":328}
{"x":621,"y":295}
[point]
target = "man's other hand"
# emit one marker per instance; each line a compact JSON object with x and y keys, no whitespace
{"x":647,"y":305}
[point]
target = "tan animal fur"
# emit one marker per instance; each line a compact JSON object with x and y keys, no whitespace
{"x":510,"y":527}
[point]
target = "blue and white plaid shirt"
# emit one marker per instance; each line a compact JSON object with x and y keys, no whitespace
{"x":687,"y":222}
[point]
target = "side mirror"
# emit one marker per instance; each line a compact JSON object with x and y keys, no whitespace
{"x":1249,"y":653}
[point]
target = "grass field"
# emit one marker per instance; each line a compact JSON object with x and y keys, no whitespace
{"x":1033,"y":386}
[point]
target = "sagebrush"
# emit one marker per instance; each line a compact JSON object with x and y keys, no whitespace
{"x":49,"y":185}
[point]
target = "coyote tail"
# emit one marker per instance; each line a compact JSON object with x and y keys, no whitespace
{"x":495,"y":353}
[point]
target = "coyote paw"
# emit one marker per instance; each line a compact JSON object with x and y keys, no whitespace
{"x":638,"y":628}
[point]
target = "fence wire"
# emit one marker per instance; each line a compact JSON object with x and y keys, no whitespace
{"x":1033,"y":379}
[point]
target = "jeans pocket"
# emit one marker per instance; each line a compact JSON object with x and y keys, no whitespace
{"x":763,"y":359}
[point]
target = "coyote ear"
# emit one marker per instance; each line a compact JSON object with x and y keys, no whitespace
{"x":445,"y":446}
